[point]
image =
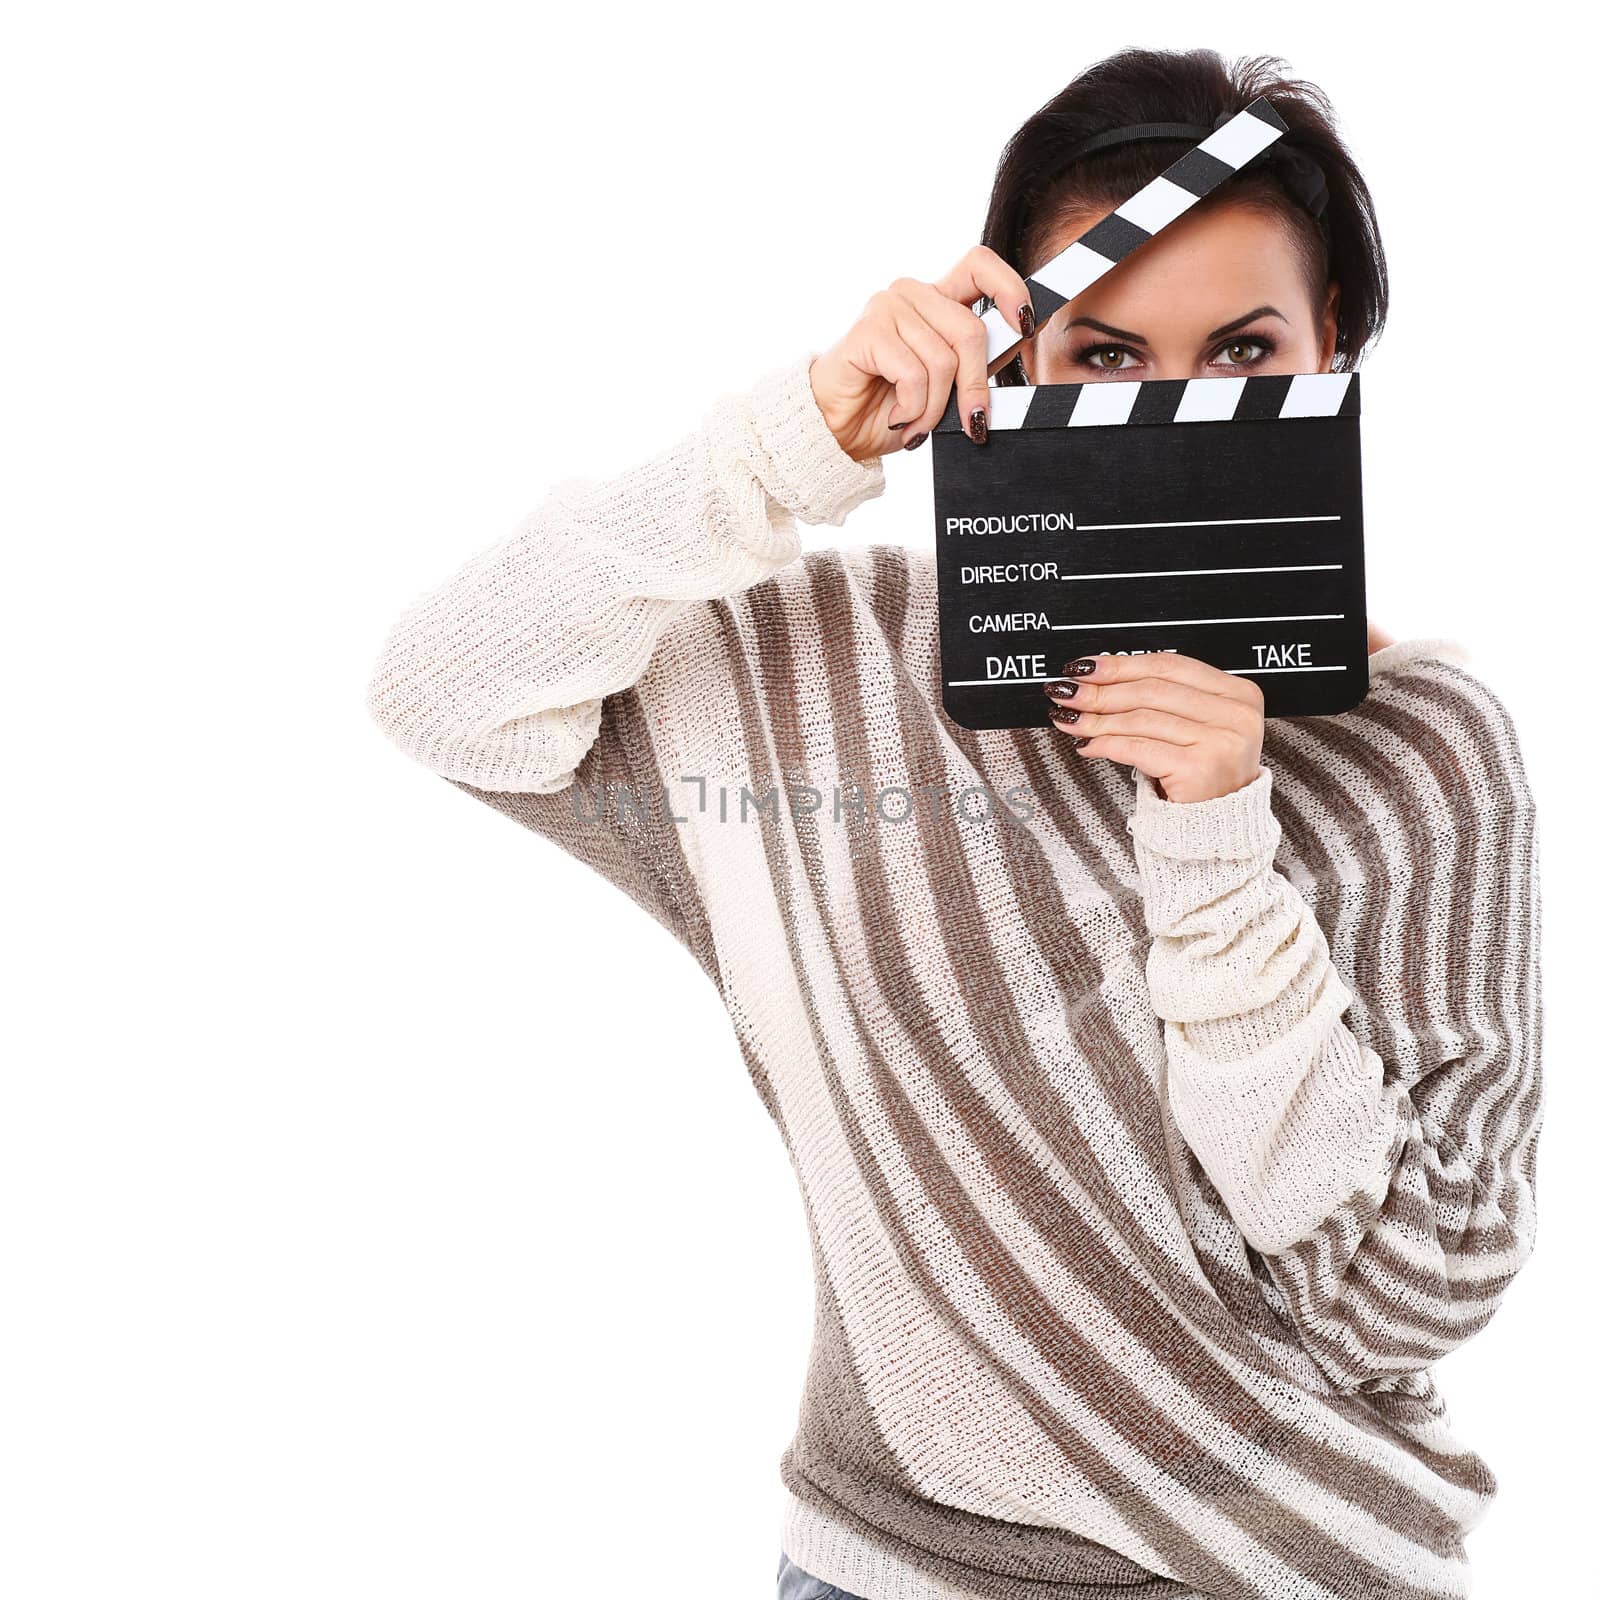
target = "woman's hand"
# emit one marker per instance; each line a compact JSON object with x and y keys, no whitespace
{"x":1192,"y":728}
{"x":889,"y":378}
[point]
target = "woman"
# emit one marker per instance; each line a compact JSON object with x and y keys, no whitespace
{"x":1162,"y":1116}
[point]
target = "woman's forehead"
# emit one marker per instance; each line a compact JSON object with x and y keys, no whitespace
{"x":1208,"y":267}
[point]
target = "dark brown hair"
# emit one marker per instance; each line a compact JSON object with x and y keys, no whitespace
{"x":1034,"y":192}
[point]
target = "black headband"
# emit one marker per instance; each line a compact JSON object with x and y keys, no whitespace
{"x":1302,"y":175}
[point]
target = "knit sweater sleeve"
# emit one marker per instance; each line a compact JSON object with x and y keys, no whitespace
{"x":1392,"y":1201}
{"x":496,"y":678}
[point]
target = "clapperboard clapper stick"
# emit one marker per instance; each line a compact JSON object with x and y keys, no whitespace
{"x":1217,"y":517}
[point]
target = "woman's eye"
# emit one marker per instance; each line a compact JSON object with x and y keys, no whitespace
{"x":1110,"y":357}
{"x":1244,"y":352}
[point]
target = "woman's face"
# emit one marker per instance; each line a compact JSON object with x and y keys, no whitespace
{"x":1218,"y":293}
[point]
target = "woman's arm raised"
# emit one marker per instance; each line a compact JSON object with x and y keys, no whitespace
{"x":496,"y":678}
{"x":1390,"y":1195}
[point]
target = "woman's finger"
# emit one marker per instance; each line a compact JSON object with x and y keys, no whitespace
{"x":1155,"y":758}
{"x":1141,"y":722}
{"x":982,"y":272}
{"x":937,"y":357}
{"x":966,"y":336}
{"x":885,"y":352}
{"x":1166,"y":664}
{"x":1175,"y":695}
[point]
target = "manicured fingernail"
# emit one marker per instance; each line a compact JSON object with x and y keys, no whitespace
{"x":1025,"y":319}
{"x":915,"y":440}
{"x":1080,"y":740}
{"x":1065,"y":714}
{"x":1061,"y":691}
{"x":980,"y":425}
{"x":1082,"y":667}
{"x":895,"y":427}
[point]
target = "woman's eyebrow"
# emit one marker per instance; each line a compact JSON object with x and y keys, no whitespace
{"x":1239,"y":322}
{"x":1105,"y":327}
{"x":1139,"y":338}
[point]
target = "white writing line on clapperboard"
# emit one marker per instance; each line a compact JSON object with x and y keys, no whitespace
{"x":1038,"y":571}
{"x":1066,"y":522}
{"x":1211,"y":522}
{"x":1195,"y":622}
{"x":957,"y":683}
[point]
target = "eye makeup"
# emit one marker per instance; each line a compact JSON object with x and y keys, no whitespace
{"x":1264,"y":342}
{"x":1103,"y":358}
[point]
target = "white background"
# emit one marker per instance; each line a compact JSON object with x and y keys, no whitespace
{"x":387,"y":1210}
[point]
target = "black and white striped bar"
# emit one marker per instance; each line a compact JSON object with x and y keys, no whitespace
{"x":1120,"y":401}
{"x":1188,"y":180}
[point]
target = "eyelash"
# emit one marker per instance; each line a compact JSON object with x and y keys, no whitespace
{"x":1265,"y":342}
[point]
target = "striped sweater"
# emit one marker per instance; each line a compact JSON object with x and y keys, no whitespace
{"x":1152,"y":1153}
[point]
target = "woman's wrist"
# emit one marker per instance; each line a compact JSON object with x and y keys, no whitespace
{"x":805,"y":469}
{"x":1233,"y":826}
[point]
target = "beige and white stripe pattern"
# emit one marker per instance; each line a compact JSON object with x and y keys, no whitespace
{"x":1152,"y":1153}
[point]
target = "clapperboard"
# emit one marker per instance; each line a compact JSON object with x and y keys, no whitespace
{"x":1218,"y":517}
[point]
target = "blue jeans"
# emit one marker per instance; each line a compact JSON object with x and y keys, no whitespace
{"x":795,"y":1583}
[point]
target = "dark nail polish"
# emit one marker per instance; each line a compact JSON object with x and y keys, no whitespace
{"x":1082,"y":667}
{"x":980,"y":426}
{"x":895,"y":427}
{"x":1025,"y":319}
{"x":1061,"y":691}
{"x":1065,"y":714}
{"x":915,"y":440}
{"x":1079,"y":740}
